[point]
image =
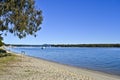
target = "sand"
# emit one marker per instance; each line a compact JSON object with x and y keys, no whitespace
{"x":29,"y":68}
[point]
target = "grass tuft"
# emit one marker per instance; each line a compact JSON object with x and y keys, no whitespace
{"x":6,"y":61}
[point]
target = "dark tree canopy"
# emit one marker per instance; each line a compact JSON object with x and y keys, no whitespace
{"x":19,"y":17}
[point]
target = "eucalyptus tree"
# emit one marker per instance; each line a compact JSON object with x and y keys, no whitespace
{"x":19,"y":17}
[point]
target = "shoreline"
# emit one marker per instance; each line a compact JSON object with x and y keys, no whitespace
{"x":103,"y":72}
{"x":78,"y":68}
{"x":81,"y":73}
{"x":40,"y":69}
{"x":100,"y":72}
{"x":85,"y":69}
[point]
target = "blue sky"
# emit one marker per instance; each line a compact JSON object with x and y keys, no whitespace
{"x":75,"y":22}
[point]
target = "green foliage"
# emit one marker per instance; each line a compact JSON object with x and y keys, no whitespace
{"x":3,"y":53}
{"x":19,"y":17}
{"x":1,"y":43}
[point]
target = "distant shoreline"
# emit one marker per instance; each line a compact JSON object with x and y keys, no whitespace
{"x":65,"y":45}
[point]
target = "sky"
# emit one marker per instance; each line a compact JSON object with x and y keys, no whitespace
{"x":75,"y":22}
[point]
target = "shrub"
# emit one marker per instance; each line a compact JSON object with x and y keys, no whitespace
{"x":3,"y":53}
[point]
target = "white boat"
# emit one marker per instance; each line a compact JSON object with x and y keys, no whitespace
{"x":42,"y":47}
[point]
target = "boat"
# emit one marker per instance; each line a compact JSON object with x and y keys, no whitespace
{"x":42,"y":47}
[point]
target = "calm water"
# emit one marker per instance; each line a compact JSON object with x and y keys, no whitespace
{"x":100,"y":59}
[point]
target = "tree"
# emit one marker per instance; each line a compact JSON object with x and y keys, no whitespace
{"x":1,"y":43}
{"x":19,"y":17}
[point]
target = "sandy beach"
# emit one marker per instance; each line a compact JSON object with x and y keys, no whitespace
{"x":29,"y":68}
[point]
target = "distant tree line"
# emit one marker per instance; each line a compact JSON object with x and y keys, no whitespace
{"x":25,"y":45}
{"x":65,"y":45}
{"x":22,"y":45}
{"x":85,"y":45}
